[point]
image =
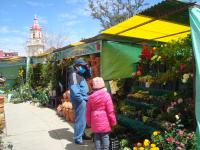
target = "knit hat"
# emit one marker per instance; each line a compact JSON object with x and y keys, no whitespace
{"x":79,"y":62}
{"x":98,"y":83}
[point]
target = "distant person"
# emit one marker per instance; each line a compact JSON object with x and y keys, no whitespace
{"x":100,"y":114}
{"x":79,"y":96}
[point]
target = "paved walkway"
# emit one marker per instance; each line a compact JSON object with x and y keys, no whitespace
{"x":34,"y":128}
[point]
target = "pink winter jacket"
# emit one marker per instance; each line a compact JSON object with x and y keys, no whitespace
{"x":100,"y":115}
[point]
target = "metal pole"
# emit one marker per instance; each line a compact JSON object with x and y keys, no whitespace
{"x":28,"y":60}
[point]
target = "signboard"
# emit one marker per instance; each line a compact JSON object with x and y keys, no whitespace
{"x":85,"y":49}
{"x":8,"y":63}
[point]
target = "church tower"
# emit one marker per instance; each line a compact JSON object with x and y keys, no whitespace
{"x":35,"y":44}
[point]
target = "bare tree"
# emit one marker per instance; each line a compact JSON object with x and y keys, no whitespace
{"x":111,"y":12}
{"x":54,"y":40}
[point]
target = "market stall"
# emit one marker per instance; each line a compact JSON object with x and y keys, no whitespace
{"x":9,"y":68}
{"x":161,"y":92}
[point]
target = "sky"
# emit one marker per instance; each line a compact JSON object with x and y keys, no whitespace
{"x":67,"y":18}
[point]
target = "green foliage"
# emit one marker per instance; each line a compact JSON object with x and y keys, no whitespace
{"x":124,"y":144}
{"x":25,"y":92}
{"x":41,"y":95}
{"x":22,"y":94}
{"x":21,"y":76}
{"x":49,"y":73}
{"x":176,"y":53}
{"x":117,"y":130}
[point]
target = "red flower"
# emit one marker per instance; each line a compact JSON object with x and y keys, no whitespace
{"x":140,"y":68}
{"x":146,"y":54}
{"x":170,"y":139}
{"x":138,"y":73}
{"x":182,"y":67}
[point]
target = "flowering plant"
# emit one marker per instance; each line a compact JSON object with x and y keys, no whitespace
{"x":175,"y":137}
{"x":146,"y":145}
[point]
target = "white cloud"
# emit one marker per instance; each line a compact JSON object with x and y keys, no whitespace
{"x":71,"y":23}
{"x":71,"y":1}
{"x":67,"y":16}
{"x":4,"y":29}
{"x":38,"y":4}
{"x":34,"y":4}
{"x":13,"y":40}
{"x":13,"y":43}
{"x":83,"y":12}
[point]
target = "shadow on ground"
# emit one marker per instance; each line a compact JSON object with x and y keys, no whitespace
{"x":62,"y":133}
{"x":89,"y":145}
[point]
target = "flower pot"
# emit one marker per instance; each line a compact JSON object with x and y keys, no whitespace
{"x":71,"y":115}
{"x":67,"y":115}
{"x":1,"y":108}
{"x":1,"y":100}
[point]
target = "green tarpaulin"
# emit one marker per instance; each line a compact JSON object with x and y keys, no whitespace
{"x":195,"y":28}
{"x":10,"y":73}
{"x":118,"y":59}
{"x":9,"y":69}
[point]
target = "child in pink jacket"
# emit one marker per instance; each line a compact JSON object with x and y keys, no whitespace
{"x":100,"y":115}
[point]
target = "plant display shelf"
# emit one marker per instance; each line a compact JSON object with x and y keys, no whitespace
{"x":139,"y":126}
{"x":142,"y":105}
{"x":152,"y":91}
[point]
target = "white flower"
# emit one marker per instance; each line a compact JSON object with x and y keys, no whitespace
{"x":180,"y":100}
{"x":186,"y":76}
{"x":147,"y":84}
{"x":184,"y":80}
{"x":177,"y":117}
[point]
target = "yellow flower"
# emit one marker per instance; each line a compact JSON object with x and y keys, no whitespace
{"x":146,"y":142}
{"x":159,"y":57}
{"x":134,"y":148}
{"x":153,"y":145}
{"x":155,"y":133}
{"x":156,"y":148}
{"x":154,"y":57}
{"x":141,"y":148}
{"x":175,"y":94}
{"x":139,"y":144}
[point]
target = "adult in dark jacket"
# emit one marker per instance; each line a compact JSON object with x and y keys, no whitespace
{"x":79,"y":96}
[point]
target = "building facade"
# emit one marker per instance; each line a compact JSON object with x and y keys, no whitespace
{"x":35,"y":43}
{"x":7,"y":54}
